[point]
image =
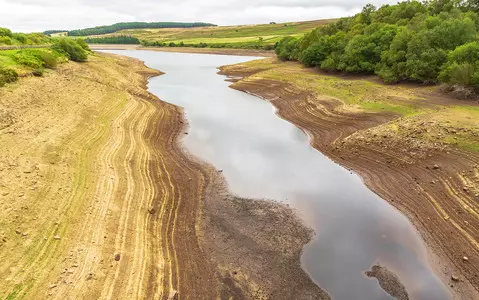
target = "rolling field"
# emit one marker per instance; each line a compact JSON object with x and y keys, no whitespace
{"x":266,"y":34}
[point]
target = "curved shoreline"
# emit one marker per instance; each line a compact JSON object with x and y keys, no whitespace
{"x":333,"y":132}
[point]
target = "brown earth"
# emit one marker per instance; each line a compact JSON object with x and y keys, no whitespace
{"x":389,"y":282}
{"x":98,"y":200}
{"x":436,"y":185}
{"x":220,"y":51}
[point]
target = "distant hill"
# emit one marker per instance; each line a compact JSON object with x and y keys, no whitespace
{"x":99,"y":30}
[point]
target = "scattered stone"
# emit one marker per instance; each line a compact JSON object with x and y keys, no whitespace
{"x":190,"y":179}
{"x":151,"y":210}
{"x":220,"y":171}
{"x":465,"y":189}
{"x":117,"y":257}
{"x":465,"y":259}
{"x":186,"y":132}
{"x":52,"y":286}
{"x":435,"y":167}
{"x":18,"y":231}
{"x":5,"y":193}
{"x":25,"y":234}
{"x":57,"y":237}
{"x":454,"y":278}
{"x":89,"y":276}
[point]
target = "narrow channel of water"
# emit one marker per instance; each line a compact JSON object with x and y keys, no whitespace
{"x":264,"y":156}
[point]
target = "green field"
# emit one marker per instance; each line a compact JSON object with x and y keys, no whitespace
{"x":244,"y":36}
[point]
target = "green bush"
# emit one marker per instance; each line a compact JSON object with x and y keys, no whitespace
{"x":71,"y":48}
{"x":36,"y":58}
{"x":5,"y":32}
{"x":83,"y":44}
{"x":27,"y":58}
{"x":7,"y":76}
{"x":5,"y":40}
{"x":462,"y":67}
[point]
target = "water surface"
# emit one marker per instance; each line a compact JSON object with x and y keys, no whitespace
{"x":263,"y":156}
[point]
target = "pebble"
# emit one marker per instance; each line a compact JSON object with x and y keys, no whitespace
{"x":117,"y":257}
{"x":465,"y":258}
{"x":57,"y":237}
{"x":454,"y":278}
{"x":435,"y":167}
{"x":52,"y":286}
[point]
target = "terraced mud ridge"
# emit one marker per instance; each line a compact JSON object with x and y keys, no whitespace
{"x":403,"y":159}
{"x":98,"y":201}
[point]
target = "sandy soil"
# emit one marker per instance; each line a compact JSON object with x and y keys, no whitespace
{"x":98,"y":200}
{"x":220,"y":51}
{"x":435,"y":185}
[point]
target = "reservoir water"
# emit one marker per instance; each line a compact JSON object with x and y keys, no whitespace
{"x":265,"y":157}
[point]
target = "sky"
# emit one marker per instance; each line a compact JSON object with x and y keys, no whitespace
{"x":40,"y":15}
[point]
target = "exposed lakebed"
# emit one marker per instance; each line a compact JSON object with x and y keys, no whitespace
{"x":265,"y":157}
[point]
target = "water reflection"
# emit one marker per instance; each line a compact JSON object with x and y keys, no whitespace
{"x":265,"y":157}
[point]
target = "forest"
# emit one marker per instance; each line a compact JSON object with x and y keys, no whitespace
{"x":128,"y":25}
{"x":428,"y":42}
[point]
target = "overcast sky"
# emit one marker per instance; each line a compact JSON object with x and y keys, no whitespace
{"x":40,"y":15}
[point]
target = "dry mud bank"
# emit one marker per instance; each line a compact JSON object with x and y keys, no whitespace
{"x":413,"y":146}
{"x":219,"y":51}
{"x":98,"y":200}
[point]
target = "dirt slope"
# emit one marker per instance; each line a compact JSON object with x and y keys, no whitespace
{"x":98,"y":201}
{"x":435,"y":184}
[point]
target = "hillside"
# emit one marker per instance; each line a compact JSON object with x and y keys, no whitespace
{"x":260,"y":36}
{"x":99,"y":30}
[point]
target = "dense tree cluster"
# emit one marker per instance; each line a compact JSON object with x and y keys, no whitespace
{"x":128,"y":25}
{"x":429,"y":42}
{"x":113,"y":40}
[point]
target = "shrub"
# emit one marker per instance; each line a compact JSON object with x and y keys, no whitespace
{"x":71,"y":48}
{"x":7,"y":76}
{"x":35,"y":58}
{"x":5,"y":40}
{"x":83,"y":44}
{"x":27,"y":58}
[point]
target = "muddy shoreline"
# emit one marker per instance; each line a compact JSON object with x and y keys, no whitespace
{"x":416,"y":187}
{"x":218,"y":51}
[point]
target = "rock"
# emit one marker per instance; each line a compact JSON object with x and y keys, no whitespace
{"x":151,"y":210}
{"x":25,"y":234}
{"x":90,"y":276}
{"x":465,"y":189}
{"x":52,"y":286}
{"x":186,"y":132}
{"x":454,"y":278}
{"x":18,"y":231}
{"x":465,"y":258}
{"x":117,"y":257}
{"x":435,"y":167}
{"x":220,"y":171}
{"x":57,"y":237}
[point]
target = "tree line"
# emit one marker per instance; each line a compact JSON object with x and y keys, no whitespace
{"x":99,"y":30}
{"x":113,"y":40}
{"x":429,"y":42}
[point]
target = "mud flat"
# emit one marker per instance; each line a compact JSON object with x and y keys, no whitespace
{"x":413,"y":146}
{"x":218,"y":51}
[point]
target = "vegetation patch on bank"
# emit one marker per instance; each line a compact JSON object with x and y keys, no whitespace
{"x":34,"y":61}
